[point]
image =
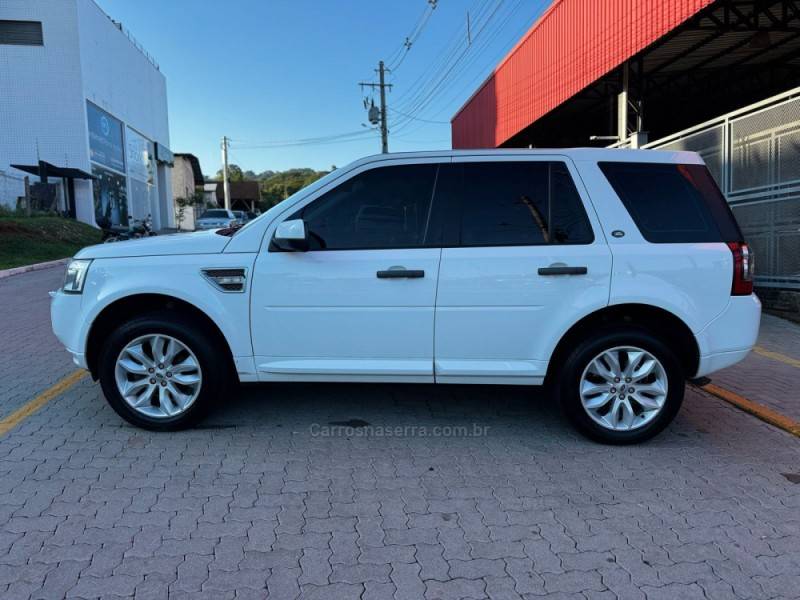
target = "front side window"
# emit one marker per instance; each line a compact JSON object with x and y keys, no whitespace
{"x":386,"y":207}
{"x":521,"y":204}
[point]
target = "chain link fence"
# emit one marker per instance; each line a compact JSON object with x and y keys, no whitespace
{"x":754,"y":155}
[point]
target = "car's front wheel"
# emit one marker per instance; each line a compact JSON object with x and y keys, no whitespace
{"x":159,"y":372}
{"x":621,"y":386}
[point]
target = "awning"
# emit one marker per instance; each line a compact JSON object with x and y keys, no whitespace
{"x":54,"y":171}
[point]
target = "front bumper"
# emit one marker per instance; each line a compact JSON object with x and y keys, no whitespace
{"x":65,"y":311}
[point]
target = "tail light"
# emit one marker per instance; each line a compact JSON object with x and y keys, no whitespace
{"x":742,"y":269}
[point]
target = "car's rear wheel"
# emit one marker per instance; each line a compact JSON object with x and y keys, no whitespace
{"x":621,"y":386}
{"x":159,"y":371}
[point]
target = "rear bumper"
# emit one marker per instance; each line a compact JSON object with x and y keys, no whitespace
{"x":729,"y":337}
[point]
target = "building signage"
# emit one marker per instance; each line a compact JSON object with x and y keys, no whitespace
{"x":105,"y":138}
{"x":140,"y":157}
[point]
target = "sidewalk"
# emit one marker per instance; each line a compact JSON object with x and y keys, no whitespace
{"x":770,"y":375}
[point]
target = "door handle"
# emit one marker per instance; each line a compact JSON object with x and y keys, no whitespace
{"x":563,"y":270}
{"x":395,"y":273}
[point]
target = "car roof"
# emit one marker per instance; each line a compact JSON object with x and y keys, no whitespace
{"x":576,"y":154}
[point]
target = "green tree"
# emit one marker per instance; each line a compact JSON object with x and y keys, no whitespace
{"x":235,"y":173}
{"x":283,"y":184}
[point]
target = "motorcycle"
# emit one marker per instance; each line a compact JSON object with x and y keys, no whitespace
{"x":136,"y":228}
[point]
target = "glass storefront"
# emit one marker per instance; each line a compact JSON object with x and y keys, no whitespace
{"x":110,"y":197}
{"x":121,"y":157}
{"x":106,"y":153}
{"x":140,"y":154}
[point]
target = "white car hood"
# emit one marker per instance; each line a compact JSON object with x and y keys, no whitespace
{"x":199,"y":242}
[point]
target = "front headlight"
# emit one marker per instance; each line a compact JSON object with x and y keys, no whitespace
{"x":75,"y":276}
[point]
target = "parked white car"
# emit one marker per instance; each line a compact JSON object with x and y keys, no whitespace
{"x":612,"y":275}
{"x":216,"y":218}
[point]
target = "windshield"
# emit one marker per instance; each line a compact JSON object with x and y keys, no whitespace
{"x":215,"y":214}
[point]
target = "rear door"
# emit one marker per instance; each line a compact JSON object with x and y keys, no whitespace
{"x":526,"y":259}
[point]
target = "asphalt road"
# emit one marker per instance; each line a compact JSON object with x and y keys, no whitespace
{"x":378,"y":491}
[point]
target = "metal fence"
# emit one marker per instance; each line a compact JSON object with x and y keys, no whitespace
{"x":754,"y":155}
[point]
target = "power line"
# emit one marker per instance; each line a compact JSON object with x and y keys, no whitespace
{"x":441,"y":72}
{"x":485,"y":69}
{"x":448,"y":51}
{"x":470,"y":55}
{"x":394,"y":110}
{"x":437,"y":82}
{"x":414,"y":35}
{"x":328,"y":139}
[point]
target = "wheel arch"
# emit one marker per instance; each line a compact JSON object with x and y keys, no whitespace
{"x":662,"y":323}
{"x":130,"y":306}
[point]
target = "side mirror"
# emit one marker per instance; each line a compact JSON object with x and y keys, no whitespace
{"x":290,"y":236}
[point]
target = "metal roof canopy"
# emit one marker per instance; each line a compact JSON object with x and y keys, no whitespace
{"x":54,"y":171}
{"x":731,"y":53}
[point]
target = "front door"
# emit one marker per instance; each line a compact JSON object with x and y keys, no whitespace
{"x":359,"y":305}
{"x":526,"y":258}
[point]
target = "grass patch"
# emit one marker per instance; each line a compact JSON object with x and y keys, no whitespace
{"x":28,"y":240}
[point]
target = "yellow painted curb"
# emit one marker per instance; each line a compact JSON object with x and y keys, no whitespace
{"x":760,"y":411}
{"x":788,"y":360}
{"x":34,"y":405}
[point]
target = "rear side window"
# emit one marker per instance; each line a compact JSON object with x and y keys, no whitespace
{"x":520,"y":204}
{"x":673,"y":203}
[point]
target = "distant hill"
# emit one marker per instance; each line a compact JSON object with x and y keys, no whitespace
{"x":283,"y":184}
{"x":275,"y":185}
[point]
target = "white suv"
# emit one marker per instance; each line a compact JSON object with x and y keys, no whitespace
{"x":613,"y":275}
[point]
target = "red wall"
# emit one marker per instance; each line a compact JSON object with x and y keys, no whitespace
{"x":573,"y":44}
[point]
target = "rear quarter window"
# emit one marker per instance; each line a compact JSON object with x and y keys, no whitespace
{"x":673,"y":203}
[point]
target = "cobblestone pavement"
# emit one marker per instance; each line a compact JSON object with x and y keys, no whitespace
{"x":766,"y":380}
{"x":32,"y":360}
{"x":299,"y":491}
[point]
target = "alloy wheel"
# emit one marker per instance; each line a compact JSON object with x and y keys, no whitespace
{"x":623,"y":388}
{"x":158,"y":376}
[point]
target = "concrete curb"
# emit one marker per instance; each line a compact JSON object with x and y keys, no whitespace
{"x":36,"y":267}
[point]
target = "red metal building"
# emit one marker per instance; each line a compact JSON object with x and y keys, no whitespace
{"x":718,"y":77}
{"x":686,"y":60}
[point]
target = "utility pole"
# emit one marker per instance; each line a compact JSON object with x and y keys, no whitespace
{"x":382,"y":85}
{"x":384,"y":127}
{"x":226,"y":185}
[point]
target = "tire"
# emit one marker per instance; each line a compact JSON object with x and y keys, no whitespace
{"x":137,"y":335}
{"x":632,"y":422}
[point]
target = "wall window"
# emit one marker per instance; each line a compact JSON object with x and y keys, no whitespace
{"x":21,"y":33}
{"x":521,"y":204}
{"x":387,"y":207}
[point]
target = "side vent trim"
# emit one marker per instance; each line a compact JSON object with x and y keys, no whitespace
{"x":228,"y":280}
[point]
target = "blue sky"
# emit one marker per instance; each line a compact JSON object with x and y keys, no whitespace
{"x":287,"y":70}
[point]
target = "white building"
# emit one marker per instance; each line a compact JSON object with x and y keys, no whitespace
{"x":187,"y":180}
{"x":79,"y":94}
